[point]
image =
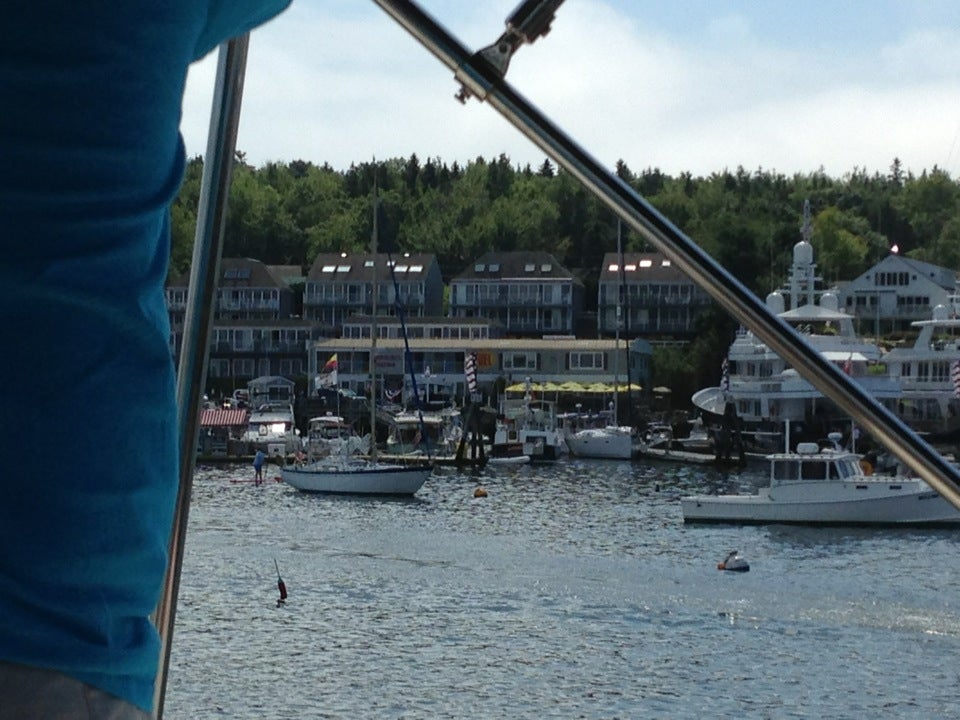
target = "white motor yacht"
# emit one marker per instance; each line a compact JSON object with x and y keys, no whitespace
{"x":826,"y":486}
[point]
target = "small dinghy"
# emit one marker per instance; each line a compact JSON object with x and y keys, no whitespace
{"x":734,"y":563}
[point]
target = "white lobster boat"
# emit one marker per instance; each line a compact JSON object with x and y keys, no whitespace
{"x":815,"y":486}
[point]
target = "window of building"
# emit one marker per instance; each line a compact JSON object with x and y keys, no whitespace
{"x":586,"y":361}
{"x":520,"y":361}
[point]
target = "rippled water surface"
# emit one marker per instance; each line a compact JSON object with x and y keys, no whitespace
{"x":570,"y":591}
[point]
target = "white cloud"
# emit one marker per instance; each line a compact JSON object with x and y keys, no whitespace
{"x":350,"y":87}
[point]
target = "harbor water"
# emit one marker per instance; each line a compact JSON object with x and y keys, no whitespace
{"x":572,"y":590}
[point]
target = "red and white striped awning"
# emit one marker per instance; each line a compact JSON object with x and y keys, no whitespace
{"x":221,"y":417}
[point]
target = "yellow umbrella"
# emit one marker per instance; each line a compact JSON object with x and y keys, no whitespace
{"x":599,"y":387}
{"x":572,"y":387}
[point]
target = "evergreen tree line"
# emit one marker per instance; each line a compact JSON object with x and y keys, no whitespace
{"x":288,"y":213}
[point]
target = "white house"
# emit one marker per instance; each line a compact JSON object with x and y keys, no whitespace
{"x":895,"y":292}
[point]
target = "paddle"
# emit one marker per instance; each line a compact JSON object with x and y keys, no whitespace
{"x":280,"y":585}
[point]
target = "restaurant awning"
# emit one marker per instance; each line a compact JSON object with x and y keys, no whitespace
{"x":223,"y":417}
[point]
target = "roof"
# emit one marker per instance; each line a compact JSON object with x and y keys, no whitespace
{"x":222,"y":417}
{"x":522,"y":265}
{"x":340,"y":267}
{"x":641,"y":267}
{"x":237,"y":273}
{"x":286,"y":274}
{"x":443,"y":345}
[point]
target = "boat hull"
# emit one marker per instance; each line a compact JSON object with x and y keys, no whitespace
{"x":877,"y":502}
{"x":603,"y":443}
{"x":357,"y":478}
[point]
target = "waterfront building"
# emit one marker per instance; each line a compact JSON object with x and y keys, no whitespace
{"x":896,"y":292}
{"x":658,"y":299}
{"x":255,"y":329}
{"x":529,"y":293}
{"x":339,"y":285}
{"x":438,"y":364}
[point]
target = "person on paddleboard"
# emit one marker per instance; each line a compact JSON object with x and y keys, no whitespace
{"x":258,"y":461}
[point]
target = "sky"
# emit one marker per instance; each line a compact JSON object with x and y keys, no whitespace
{"x":697,"y":86}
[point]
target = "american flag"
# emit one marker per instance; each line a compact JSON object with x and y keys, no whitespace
{"x":725,"y":375}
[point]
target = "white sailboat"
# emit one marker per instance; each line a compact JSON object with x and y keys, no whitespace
{"x":354,"y":474}
{"x":613,"y":441}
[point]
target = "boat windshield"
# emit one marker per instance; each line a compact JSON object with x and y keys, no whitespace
{"x":814,"y":470}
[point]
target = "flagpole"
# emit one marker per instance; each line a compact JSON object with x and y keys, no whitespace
{"x":373,"y":325}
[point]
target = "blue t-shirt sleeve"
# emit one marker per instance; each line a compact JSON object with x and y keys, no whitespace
{"x":90,"y":159}
{"x":229,"y":18}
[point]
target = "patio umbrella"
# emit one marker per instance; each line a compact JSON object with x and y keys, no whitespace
{"x":599,"y":388}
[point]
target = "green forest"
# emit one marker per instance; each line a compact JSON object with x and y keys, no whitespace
{"x":749,"y":221}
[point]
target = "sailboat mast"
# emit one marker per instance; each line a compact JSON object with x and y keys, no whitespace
{"x":373,"y":328}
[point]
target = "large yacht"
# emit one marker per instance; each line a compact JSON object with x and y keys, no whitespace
{"x":766,"y":391}
{"x":929,"y":373}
